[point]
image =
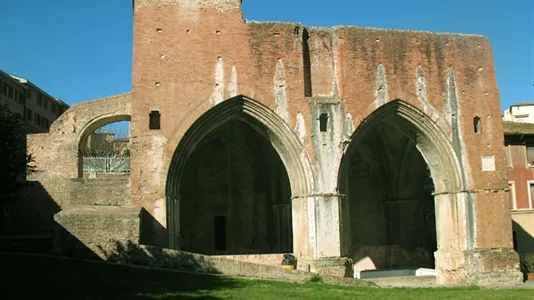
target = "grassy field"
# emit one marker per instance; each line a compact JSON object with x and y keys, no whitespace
{"x":49,"y":278}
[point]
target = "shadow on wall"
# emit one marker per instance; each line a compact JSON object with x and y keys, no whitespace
{"x":66,"y":244}
{"x":523,"y":240}
{"x":151,"y":232}
{"x":63,"y":278}
{"x":33,"y":214}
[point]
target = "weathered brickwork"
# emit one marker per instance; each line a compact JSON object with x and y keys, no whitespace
{"x":331,"y":102}
{"x":86,"y":230}
{"x":107,"y":191}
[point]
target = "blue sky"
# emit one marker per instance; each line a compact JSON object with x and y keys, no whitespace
{"x":81,"y":50}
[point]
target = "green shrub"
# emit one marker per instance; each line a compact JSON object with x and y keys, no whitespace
{"x":315,"y":279}
{"x":527,"y":262}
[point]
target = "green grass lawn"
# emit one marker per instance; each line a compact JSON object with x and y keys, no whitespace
{"x":50,"y":278}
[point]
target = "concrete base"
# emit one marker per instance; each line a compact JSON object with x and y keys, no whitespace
{"x":478,"y":267}
{"x":394,"y":273}
{"x":330,"y":266}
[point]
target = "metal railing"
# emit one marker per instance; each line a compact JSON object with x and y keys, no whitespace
{"x":115,"y":164}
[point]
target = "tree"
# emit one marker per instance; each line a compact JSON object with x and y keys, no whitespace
{"x":14,"y":161}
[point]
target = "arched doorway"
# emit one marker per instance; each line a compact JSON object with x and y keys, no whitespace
{"x":231,"y":181}
{"x":397,"y":161}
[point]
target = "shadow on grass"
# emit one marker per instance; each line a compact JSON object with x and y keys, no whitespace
{"x":47,"y":277}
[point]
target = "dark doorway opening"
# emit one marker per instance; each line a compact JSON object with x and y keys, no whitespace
{"x":219,"y":232}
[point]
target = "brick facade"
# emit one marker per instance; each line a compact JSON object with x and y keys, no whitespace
{"x":317,"y":95}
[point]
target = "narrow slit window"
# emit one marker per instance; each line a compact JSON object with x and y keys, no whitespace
{"x":155,"y":120}
{"x":323,"y":122}
{"x":219,"y":233}
{"x":477,"y":124}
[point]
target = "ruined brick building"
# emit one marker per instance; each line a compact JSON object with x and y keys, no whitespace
{"x":263,"y":138}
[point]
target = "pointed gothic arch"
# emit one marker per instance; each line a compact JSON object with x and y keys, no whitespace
{"x":262,"y":120}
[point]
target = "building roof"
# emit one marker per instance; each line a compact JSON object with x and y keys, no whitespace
{"x":25,"y":82}
{"x":522,"y":104}
{"x":511,"y":128}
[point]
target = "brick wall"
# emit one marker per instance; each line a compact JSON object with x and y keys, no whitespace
{"x":85,"y":230}
{"x":111,"y":190}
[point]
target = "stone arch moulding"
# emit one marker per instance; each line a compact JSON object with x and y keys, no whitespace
{"x":91,"y":126}
{"x":454,"y":225}
{"x":259,"y":117}
{"x":432,"y":143}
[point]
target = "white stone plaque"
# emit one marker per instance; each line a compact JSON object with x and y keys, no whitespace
{"x":488,"y":163}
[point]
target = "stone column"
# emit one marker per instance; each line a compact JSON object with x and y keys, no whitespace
{"x":303,"y":239}
{"x":321,"y":244}
{"x":474,"y":239}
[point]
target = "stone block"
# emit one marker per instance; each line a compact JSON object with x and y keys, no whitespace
{"x":95,"y":230}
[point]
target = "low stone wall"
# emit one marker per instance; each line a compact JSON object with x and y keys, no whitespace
{"x":106,"y":190}
{"x":262,"y":259}
{"x":90,"y":231}
{"x":184,"y":261}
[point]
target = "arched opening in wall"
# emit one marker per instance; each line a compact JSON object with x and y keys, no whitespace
{"x":104,"y":149}
{"x":231,"y":180}
{"x":389,"y":189}
{"x":235,"y":195}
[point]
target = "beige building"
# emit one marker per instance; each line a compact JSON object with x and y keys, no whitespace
{"x":38,"y":107}
{"x":519,"y":142}
{"x":522,"y":112}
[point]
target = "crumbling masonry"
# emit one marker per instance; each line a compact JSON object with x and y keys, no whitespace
{"x":328,"y":143}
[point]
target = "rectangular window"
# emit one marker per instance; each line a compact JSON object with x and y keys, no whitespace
{"x":513,"y":201}
{"x":45,"y":103}
{"x":154,"y":120}
{"x":37,"y":119}
{"x":530,"y":156}
{"x":19,"y":97}
{"x":9,"y":91}
{"x":28,"y":114}
{"x":530,"y":194}
{"x":40,"y":100}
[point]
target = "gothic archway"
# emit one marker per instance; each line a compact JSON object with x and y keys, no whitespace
{"x":397,"y":162}
{"x":259,"y":127}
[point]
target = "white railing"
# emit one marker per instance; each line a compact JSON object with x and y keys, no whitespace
{"x":115,"y":164}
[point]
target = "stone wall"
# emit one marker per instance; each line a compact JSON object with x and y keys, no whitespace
{"x":300,"y":73}
{"x":110,"y":190}
{"x":88,"y":231}
{"x":56,"y":153}
{"x":312,"y":93}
